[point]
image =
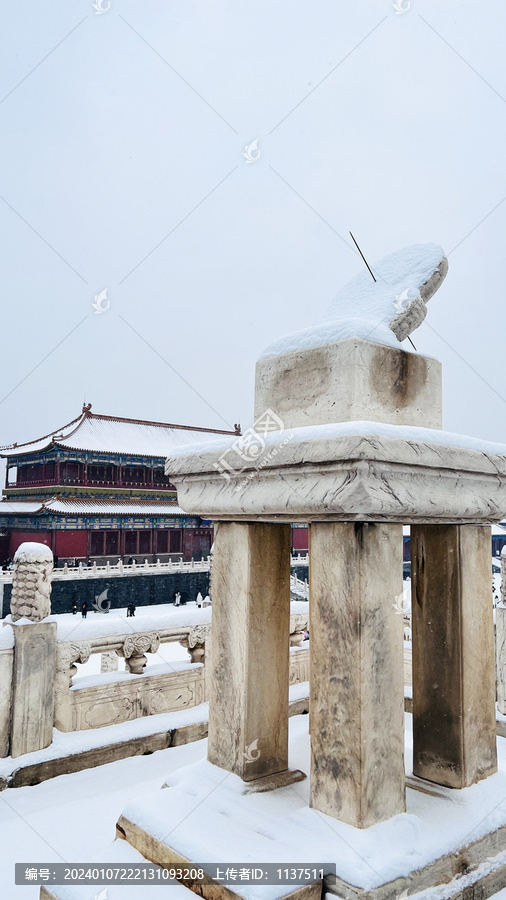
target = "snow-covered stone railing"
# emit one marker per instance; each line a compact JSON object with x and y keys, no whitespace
{"x":120,"y":569}
{"x":113,"y":696}
{"x":500,"y":639}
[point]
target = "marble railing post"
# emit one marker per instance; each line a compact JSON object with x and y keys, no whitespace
{"x":67,"y":654}
{"x":109,"y":661}
{"x":34,"y":650}
{"x":249,"y":652}
{"x":357,"y":677}
{"x":195,"y":642}
{"x":500,"y":650}
{"x":32,"y":680}
{"x":454,"y":731}
{"x":500,"y":641}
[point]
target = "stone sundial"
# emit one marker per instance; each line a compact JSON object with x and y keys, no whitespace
{"x":385,"y":311}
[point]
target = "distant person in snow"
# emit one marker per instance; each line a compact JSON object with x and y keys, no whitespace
{"x":84,"y":610}
{"x":74,"y":608}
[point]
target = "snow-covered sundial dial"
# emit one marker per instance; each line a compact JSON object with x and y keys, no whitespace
{"x":385,"y":310}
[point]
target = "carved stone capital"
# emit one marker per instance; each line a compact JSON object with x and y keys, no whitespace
{"x":199,"y":634}
{"x":138,"y":644}
{"x":135,"y":646}
{"x":76,"y":651}
{"x":68,"y":654}
{"x":298,"y":622}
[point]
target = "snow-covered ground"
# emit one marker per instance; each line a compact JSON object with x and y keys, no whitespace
{"x":72,"y":818}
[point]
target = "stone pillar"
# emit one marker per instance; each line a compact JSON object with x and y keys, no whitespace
{"x":357,"y":683}
{"x":33,"y":694}
{"x":249,"y":652}
{"x":454,"y":731}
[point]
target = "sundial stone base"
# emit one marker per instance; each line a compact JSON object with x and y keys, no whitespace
{"x":350,"y":381}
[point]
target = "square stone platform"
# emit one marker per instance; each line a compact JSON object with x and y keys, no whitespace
{"x":455,"y":838}
{"x":345,"y":472}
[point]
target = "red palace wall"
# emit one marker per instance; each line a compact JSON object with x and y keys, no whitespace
{"x":19,"y":537}
{"x":71,"y":543}
{"x":300,"y":538}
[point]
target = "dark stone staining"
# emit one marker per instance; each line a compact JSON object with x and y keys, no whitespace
{"x":402,"y":376}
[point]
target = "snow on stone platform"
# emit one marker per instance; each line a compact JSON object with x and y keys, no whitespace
{"x":206,"y":807}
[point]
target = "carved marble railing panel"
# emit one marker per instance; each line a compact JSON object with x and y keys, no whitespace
{"x":143,"y":694}
{"x":408,"y":677}
{"x":500,"y":656}
{"x":115,"y":702}
{"x":299,"y":666}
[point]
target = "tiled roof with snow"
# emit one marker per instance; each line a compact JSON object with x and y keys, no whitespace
{"x":90,"y":507}
{"x":12,"y":507}
{"x":114,"y":507}
{"x":110,"y":434}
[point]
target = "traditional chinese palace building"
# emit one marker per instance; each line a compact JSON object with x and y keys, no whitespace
{"x":95,"y":490}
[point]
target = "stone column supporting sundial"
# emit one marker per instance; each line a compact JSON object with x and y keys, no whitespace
{"x":348,"y":438}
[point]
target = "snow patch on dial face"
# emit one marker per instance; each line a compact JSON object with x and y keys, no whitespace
{"x":385,"y":311}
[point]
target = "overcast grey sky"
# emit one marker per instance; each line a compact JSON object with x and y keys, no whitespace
{"x":122,"y":169}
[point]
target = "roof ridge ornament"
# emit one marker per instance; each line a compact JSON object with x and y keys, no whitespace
{"x":87,"y":409}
